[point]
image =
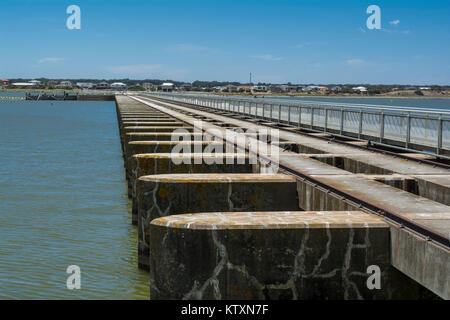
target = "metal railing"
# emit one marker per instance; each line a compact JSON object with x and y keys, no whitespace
{"x":412,"y":128}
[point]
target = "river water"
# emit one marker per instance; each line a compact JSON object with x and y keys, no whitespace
{"x":63,"y":201}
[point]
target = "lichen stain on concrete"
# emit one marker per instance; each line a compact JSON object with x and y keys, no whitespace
{"x":162,"y":193}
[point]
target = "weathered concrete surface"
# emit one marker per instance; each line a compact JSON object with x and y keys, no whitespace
{"x":272,"y":255}
{"x":314,"y":145}
{"x":162,"y":136}
{"x":152,"y":123}
{"x":156,"y":128}
{"x":164,"y":195}
{"x":436,"y":188}
{"x":151,"y":116}
{"x":152,"y":119}
{"x":166,"y":163}
{"x":419,"y":156}
{"x":353,"y":184}
{"x":138,"y":147}
{"x":126,"y":121}
{"x":422,"y":260}
{"x":430,"y":214}
{"x":353,"y":166}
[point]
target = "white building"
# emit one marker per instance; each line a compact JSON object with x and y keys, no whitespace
{"x":35,"y":82}
{"x":167,"y":87}
{"x":259,"y":88}
{"x":360,"y":89}
{"x":23,"y":84}
{"x":118,"y":85}
{"x":64,"y":84}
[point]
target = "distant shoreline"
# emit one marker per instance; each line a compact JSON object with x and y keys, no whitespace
{"x":337,"y":96}
{"x":445,"y":96}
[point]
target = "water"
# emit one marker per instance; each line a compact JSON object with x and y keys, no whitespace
{"x":63,"y":201}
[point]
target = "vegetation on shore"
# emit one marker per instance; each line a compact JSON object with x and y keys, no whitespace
{"x":345,"y":90}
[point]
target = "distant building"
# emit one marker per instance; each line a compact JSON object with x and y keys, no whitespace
{"x":275,"y":88}
{"x":336,"y":89}
{"x":35,"y":82}
{"x":323,"y":89}
{"x":85,"y":85}
{"x":244,"y":88}
{"x":4,"y":82}
{"x":167,"y":87}
{"x":148,"y":86}
{"x":52,"y":83}
{"x":102,"y":85}
{"x":260,"y":88}
{"x":118,"y":85}
{"x":289,"y":88}
{"x":185,"y":87}
{"x":229,"y":88}
{"x":360,"y":89}
{"x":312,"y":88}
{"x":64,"y":84}
{"x":23,"y":84}
{"x":425,"y":88}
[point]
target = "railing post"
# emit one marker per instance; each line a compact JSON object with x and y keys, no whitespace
{"x":312,"y":117}
{"x":408,"y":129}
{"x":299,"y":116}
{"x":381,"y":126}
{"x":439,"y":145}
{"x":325,"y":127}
{"x":279,"y":113}
{"x":360,"y":123}
{"x":289,"y":115}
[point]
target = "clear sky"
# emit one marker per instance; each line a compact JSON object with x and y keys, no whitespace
{"x":278,"y":41}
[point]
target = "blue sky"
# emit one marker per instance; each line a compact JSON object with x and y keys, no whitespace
{"x":278,"y":41}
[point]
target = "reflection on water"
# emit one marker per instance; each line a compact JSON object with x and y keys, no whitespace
{"x":63,"y":201}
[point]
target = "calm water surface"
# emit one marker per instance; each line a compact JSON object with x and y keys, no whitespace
{"x":63,"y":201}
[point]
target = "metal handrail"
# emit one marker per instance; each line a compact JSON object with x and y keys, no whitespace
{"x":308,"y":102}
{"x":412,"y":127}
